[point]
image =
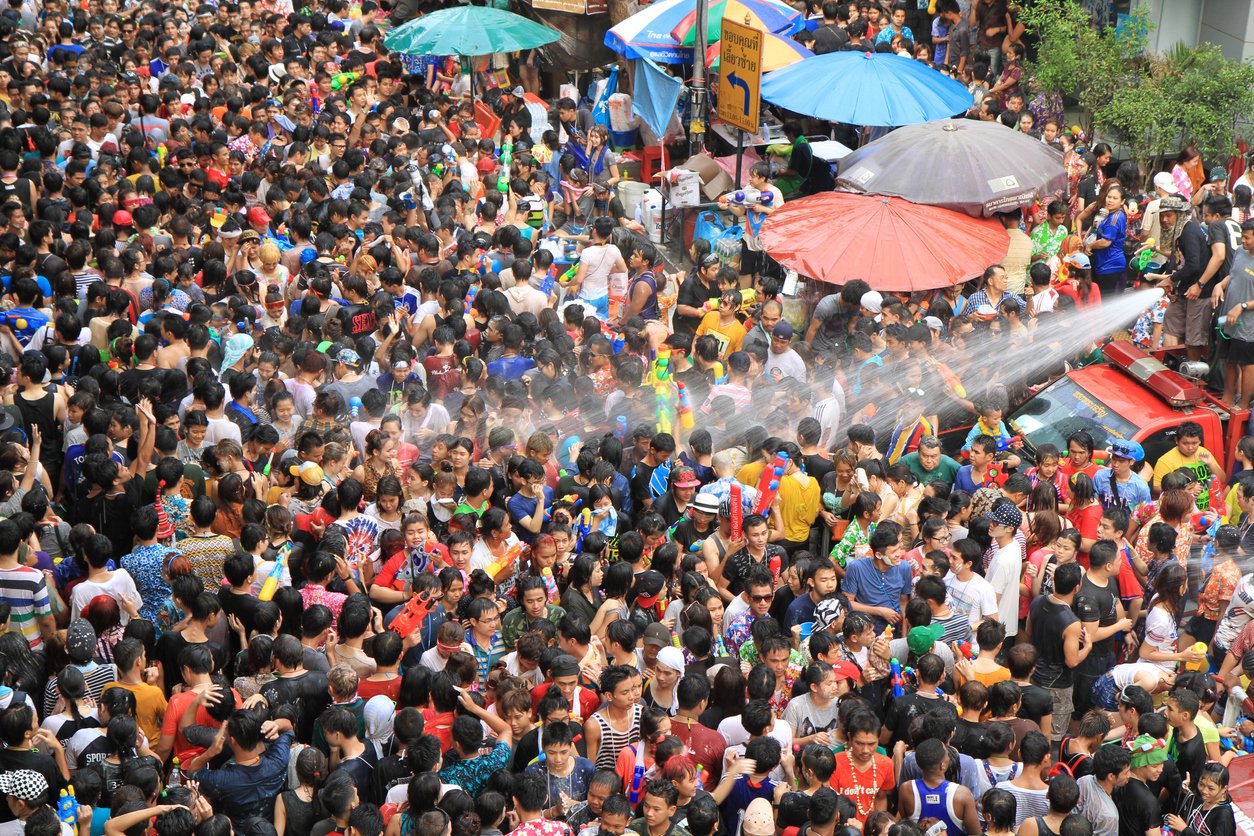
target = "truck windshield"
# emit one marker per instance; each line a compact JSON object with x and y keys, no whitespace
{"x":1064,"y":407}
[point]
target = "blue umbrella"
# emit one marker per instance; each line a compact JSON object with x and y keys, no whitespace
{"x":875,"y":89}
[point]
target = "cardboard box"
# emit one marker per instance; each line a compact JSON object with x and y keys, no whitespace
{"x":714,"y":181}
{"x":685,"y":187}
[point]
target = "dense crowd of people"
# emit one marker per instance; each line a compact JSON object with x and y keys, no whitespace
{"x":365,"y":470}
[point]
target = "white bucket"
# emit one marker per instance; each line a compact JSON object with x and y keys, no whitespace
{"x":651,"y":215}
{"x":630,"y":193}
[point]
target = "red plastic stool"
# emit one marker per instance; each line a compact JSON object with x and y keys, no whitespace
{"x":650,"y":157}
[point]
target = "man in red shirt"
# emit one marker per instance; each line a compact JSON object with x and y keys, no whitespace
{"x":707,"y":746}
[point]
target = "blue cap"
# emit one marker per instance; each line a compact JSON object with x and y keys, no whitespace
{"x":1126,"y":449}
{"x":1080,"y":260}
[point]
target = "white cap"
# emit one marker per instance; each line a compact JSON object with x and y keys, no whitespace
{"x":872,"y":300}
{"x":1163,"y":181}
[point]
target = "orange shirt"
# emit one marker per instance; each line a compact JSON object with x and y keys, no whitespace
{"x":863,"y":787}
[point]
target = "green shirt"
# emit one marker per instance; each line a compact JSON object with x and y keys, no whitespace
{"x":516,"y":623}
{"x":946,"y":471}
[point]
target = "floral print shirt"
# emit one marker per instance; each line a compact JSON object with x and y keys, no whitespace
{"x":146,"y":566}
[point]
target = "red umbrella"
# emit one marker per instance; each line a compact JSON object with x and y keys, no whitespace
{"x":891,"y":243}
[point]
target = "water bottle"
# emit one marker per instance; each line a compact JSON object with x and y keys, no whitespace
{"x":176,"y":775}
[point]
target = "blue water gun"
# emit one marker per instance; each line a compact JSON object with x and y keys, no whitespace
{"x":354,"y":406}
{"x":637,"y":775}
{"x":620,"y":428}
{"x":67,"y":807}
{"x":898,"y":679}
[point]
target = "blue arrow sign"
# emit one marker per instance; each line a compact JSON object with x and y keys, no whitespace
{"x":736,"y":81}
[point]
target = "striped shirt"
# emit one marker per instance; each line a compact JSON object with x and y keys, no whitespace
{"x":486,"y":658}
{"x":24,"y":590}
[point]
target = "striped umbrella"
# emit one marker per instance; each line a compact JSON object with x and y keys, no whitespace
{"x":763,"y":15}
{"x":777,"y":52}
{"x":650,"y":33}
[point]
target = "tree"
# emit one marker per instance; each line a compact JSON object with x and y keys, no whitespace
{"x":1151,"y":103}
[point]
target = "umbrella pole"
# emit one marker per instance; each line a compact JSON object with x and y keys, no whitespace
{"x":700,"y":94}
{"x":740,"y":154}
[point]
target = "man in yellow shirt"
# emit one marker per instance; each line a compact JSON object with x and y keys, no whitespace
{"x":1189,"y":453}
{"x":799,"y":497}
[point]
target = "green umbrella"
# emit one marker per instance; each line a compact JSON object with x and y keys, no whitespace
{"x":469,"y":30}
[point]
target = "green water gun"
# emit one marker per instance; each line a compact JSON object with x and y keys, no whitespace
{"x":342,"y":80}
{"x":1147,"y":255}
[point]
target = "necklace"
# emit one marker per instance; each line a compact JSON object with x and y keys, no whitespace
{"x":857,"y":786}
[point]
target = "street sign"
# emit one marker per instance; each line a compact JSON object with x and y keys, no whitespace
{"x":740,"y":76}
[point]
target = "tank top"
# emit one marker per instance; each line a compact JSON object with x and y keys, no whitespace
{"x":649,"y":311}
{"x":301,"y":816}
{"x":41,"y":413}
{"x":1042,"y":828}
{"x":937,"y":803}
{"x":614,"y":741}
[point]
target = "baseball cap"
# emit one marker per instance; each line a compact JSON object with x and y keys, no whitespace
{"x":566,"y":665}
{"x":872,"y":300}
{"x":123,"y":218}
{"x":26,"y":784}
{"x":649,"y":586}
{"x":249,"y":235}
{"x":1008,"y":515}
{"x":80,"y":641}
{"x":1080,"y":260}
{"x":845,"y":670}
{"x":348,"y":357}
{"x":1217,"y":173}
{"x":1165,"y":182}
{"x":485,"y":165}
{"x":657,"y":635}
{"x":517,"y":91}
{"x":1172,"y":204}
{"x":828,"y":612}
{"x":258,"y":215}
{"x":921,"y":639}
{"x":759,"y":818}
{"x":1126,"y":449}
{"x":685,"y":477}
{"x":309,"y":473}
{"x":782,"y":330}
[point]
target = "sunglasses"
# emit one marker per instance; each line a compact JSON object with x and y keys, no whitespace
{"x":762,"y":599}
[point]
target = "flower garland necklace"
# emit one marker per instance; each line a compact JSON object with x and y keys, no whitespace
{"x":875,"y":782}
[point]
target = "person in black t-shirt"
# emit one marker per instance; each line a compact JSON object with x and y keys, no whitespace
{"x":1187,"y":747}
{"x":1037,"y":705}
{"x":1099,"y":609}
{"x":1139,"y":811}
{"x":661,"y":448}
{"x":305,"y":691}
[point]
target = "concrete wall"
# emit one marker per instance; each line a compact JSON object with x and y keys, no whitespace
{"x":1230,"y":25}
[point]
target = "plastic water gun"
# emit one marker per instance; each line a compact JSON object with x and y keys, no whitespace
{"x":719,"y":371}
{"x":768,"y":485}
{"x":568,"y":275}
{"x":550,"y":584}
{"x":661,"y":371}
{"x":1204,"y":520}
{"x":507,"y":157}
{"x":898,"y":678}
{"x":776,"y":562}
{"x":341,"y":80}
{"x":1199,"y":647}
{"x":737,"y":511}
{"x":1006,"y":444}
{"x":471,"y":294}
{"x":67,"y":807}
{"x":271,"y":584}
{"x":637,"y":775}
{"x":748,"y":298}
{"x":620,"y":427}
{"x":511,"y":555}
{"x":968,"y":651}
{"x":354,"y":406}
{"x":410,"y":619}
{"x":720,"y":649}
{"x":686,"y":419}
{"x":1147,"y":255}
{"x":583,"y":528}
{"x":571,"y":498}
{"x":748,"y":197}
{"x":703,"y":775}
{"x":14,"y":320}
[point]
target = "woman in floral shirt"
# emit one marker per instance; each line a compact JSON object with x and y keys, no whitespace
{"x":1219,"y":587}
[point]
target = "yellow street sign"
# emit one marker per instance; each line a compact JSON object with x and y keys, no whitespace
{"x":740,"y":76}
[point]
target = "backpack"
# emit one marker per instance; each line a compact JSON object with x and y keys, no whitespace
{"x":1069,"y":764}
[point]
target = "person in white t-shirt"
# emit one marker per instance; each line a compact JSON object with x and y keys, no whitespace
{"x":969,"y":592}
{"x":1007,"y":564}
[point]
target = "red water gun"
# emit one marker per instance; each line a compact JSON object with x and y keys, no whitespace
{"x":768,"y":485}
{"x":737,"y":512}
{"x":775,"y":563}
{"x":411,"y":618}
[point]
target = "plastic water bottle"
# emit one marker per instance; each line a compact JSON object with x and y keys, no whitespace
{"x":176,"y":775}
